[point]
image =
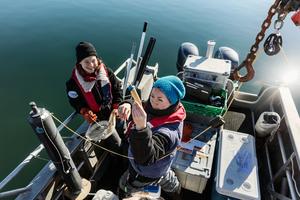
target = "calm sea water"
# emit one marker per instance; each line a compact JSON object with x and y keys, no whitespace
{"x":37,"y":41}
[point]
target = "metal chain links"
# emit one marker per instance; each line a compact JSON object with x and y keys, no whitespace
{"x":273,"y":43}
{"x":254,"y":48}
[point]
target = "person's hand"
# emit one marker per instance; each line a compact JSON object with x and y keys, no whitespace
{"x":139,"y":116}
{"x":88,"y":115}
{"x":124,"y":111}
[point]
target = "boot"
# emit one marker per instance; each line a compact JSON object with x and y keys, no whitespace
{"x":173,"y":196}
{"x":176,"y":195}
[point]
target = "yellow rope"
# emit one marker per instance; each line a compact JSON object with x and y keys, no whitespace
{"x":238,"y":89}
{"x":88,"y":140}
{"x":209,"y":127}
{"x":44,"y":159}
{"x":240,"y":84}
{"x":178,"y":147}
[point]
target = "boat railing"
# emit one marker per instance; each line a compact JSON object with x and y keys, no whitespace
{"x":291,"y":119}
{"x":278,"y":99}
{"x":285,"y":171}
{"x":39,"y":149}
{"x":25,"y":162}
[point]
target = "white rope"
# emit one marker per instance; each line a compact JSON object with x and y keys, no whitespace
{"x":294,"y":181}
{"x":88,"y":140}
{"x":178,"y":147}
{"x":40,"y":158}
{"x":60,"y":157}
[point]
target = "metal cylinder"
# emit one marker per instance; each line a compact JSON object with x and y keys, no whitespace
{"x":210,"y":48}
{"x":43,"y":125}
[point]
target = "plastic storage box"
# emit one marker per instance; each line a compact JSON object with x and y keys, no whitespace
{"x":204,"y":109}
{"x":194,"y":169}
{"x":209,"y":71}
{"x":237,"y":173}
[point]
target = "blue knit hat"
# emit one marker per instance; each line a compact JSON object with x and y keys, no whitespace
{"x":172,"y":87}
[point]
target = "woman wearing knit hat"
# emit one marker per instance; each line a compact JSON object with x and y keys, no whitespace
{"x":154,"y":134}
{"x":94,"y":91}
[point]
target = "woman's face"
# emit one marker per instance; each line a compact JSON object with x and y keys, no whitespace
{"x":89,"y":64}
{"x":158,"y":100}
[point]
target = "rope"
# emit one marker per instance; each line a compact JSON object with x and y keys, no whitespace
{"x":177,"y":148}
{"x":88,"y":140}
{"x":113,"y":152}
{"x":60,"y":156}
{"x":44,"y":159}
{"x":180,"y":147}
{"x":41,"y":158}
{"x":293,"y":178}
{"x":209,"y":127}
{"x":239,"y":87}
{"x":128,"y":157}
{"x":259,"y":51}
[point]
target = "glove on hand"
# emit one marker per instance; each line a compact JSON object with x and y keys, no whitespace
{"x":88,"y":115}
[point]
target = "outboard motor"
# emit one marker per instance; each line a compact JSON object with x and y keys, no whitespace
{"x":184,"y":51}
{"x":227,"y":53}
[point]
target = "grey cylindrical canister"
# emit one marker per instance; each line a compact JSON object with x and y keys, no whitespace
{"x":43,"y":125}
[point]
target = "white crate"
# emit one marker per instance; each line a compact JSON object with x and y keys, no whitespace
{"x":237,"y":173}
{"x":209,"y":71}
{"x":194,"y":169}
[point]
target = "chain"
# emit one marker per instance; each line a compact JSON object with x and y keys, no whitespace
{"x":254,"y":48}
{"x":260,"y":36}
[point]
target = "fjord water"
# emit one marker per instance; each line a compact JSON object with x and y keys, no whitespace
{"x":37,"y":41}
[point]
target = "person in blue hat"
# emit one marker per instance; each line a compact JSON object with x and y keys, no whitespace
{"x":153,"y":136}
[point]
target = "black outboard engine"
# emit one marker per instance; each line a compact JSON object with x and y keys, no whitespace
{"x":184,"y":51}
{"x":227,"y":53}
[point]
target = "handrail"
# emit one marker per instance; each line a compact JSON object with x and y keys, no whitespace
{"x":21,"y":165}
{"x":292,"y":118}
{"x":123,"y":66}
{"x":15,"y":192}
{"x":33,"y":154}
{"x":285,"y":161}
{"x":38,"y":149}
{"x":67,"y":120}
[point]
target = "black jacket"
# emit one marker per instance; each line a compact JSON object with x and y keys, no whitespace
{"x":78,"y":101}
